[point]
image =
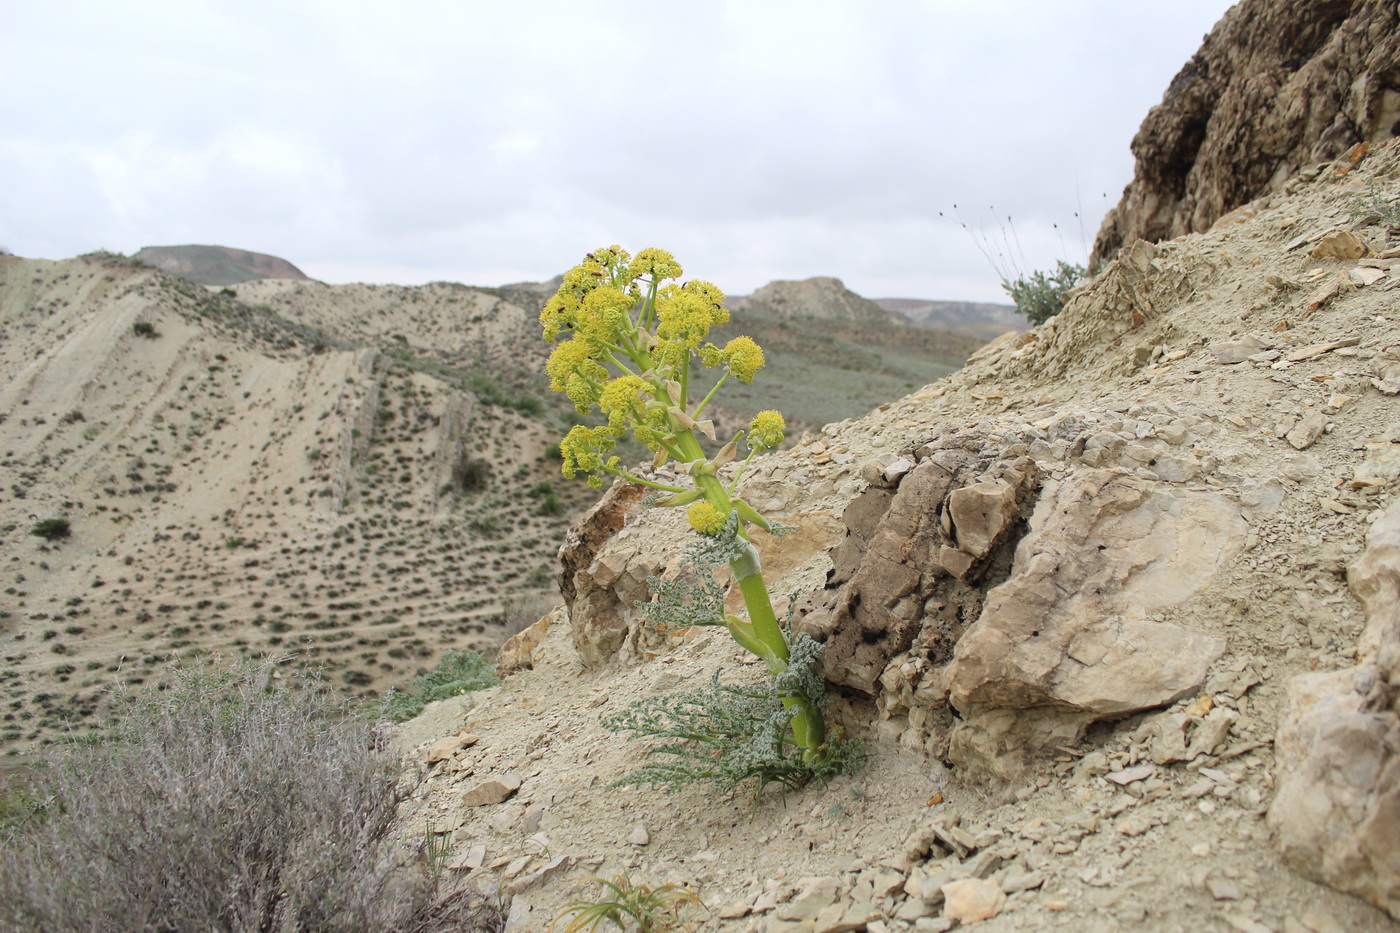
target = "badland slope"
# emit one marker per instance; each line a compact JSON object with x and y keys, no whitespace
{"x":1113,"y":608}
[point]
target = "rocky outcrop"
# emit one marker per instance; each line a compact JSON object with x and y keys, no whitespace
{"x":821,"y":297}
{"x":1274,"y":89}
{"x":1030,"y":605}
{"x":218,"y":265}
{"x":1337,"y":813}
{"x":601,"y":585}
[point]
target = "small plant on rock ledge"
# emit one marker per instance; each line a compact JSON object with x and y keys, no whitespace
{"x":631,"y":347}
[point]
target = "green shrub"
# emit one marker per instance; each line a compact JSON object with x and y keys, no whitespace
{"x":217,"y":804}
{"x":458,"y":672}
{"x":1040,"y":296}
{"x":145,"y":329}
{"x":52,"y":529}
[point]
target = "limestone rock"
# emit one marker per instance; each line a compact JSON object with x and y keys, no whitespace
{"x":598,"y":583}
{"x":901,"y":576}
{"x":972,"y":899}
{"x":1340,"y":244}
{"x":1337,"y":810}
{"x":1071,"y":632}
{"x":492,"y":791}
{"x":518,"y":653}
{"x":1308,"y":430}
{"x":1274,"y":89}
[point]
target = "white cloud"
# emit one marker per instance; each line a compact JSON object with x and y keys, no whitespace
{"x":487,"y":142}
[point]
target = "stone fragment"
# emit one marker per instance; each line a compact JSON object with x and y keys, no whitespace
{"x":846,"y":918}
{"x":1129,"y":775}
{"x":1363,"y":276}
{"x":491,"y":791}
{"x":1336,"y":813}
{"x":1212,"y":732}
{"x":470,"y":860}
{"x":1022,"y":881}
{"x":518,"y":653}
{"x":552,"y":867}
{"x":1340,"y":244}
{"x":1070,"y":634}
{"x":444,"y":748}
{"x":816,"y":895}
{"x":1223,"y":890}
{"x":971,"y":900}
{"x":639,"y":836}
{"x":1308,"y":430}
{"x":1237,"y":350}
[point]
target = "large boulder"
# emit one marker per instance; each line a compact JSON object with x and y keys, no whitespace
{"x":1337,"y":812}
{"x":1275,"y":88}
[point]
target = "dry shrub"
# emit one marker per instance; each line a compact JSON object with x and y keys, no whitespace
{"x":219,"y":803}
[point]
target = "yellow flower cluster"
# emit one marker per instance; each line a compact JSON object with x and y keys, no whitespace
{"x":766,"y":429}
{"x":624,"y":401}
{"x":705,"y":518}
{"x":583,"y":449}
{"x":685,"y":314}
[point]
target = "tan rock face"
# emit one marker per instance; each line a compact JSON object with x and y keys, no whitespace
{"x":906,"y":576}
{"x":1337,"y":812}
{"x":1070,"y":628}
{"x":599,"y":592}
{"x":1274,"y":89}
{"x":1029,"y":605}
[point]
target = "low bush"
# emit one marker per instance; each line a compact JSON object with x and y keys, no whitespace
{"x":1040,"y":296}
{"x":219,"y":804}
{"x":52,"y":529}
{"x":458,"y":672}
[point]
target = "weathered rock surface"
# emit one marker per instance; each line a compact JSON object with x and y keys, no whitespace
{"x":599,"y":591}
{"x":1337,"y":813}
{"x":906,"y":576}
{"x":518,"y":653}
{"x":1274,"y":89}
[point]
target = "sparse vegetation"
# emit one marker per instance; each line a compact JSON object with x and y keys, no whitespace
{"x":1040,"y":296}
{"x":145,"y":329}
{"x":621,"y":902}
{"x":52,"y":529}
{"x":457,"y":673}
{"x":216,"y":804}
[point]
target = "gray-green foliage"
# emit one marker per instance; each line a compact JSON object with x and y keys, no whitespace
{"x":725,"y":734}
{"x":458,"y":672}
{"x":1041,"y":295}
{"x":217,"y":803}
{"x":1379,"y":202}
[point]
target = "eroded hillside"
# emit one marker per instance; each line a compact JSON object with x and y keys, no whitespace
{"x":250,"y":474}
{"x":1113,"y":609}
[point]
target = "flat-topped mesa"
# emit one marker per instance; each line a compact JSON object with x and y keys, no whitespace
{"x":218,"y":265}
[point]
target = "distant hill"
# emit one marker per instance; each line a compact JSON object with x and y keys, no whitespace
{"x":981,"y":319}
{"x":218,"y":265}
{"x":823,"y":297}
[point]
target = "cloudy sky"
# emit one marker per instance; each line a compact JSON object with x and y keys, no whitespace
{"x":489,"y":142}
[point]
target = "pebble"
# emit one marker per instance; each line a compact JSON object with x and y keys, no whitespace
{"x":1223,"y":890}
{"x":639,"y":835}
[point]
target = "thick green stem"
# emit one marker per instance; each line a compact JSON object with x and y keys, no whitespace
{"x":808,"y":727}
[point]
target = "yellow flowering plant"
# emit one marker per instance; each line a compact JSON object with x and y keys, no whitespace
{"x":630,"y":341}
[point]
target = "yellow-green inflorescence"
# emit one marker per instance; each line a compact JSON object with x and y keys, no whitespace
{"x":629,"y":340}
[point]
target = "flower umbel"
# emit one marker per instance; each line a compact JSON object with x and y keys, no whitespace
{"x":629,"y":343}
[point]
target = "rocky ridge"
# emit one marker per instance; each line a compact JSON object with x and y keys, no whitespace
{"x":1112,"y":608}
{"x":1274,"y":89}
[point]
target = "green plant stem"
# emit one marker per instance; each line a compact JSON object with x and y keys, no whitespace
{"x":808,"y":726}
{"x":706,"y":400}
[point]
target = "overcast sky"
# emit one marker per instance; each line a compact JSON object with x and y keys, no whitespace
{"x":490,"y":142}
